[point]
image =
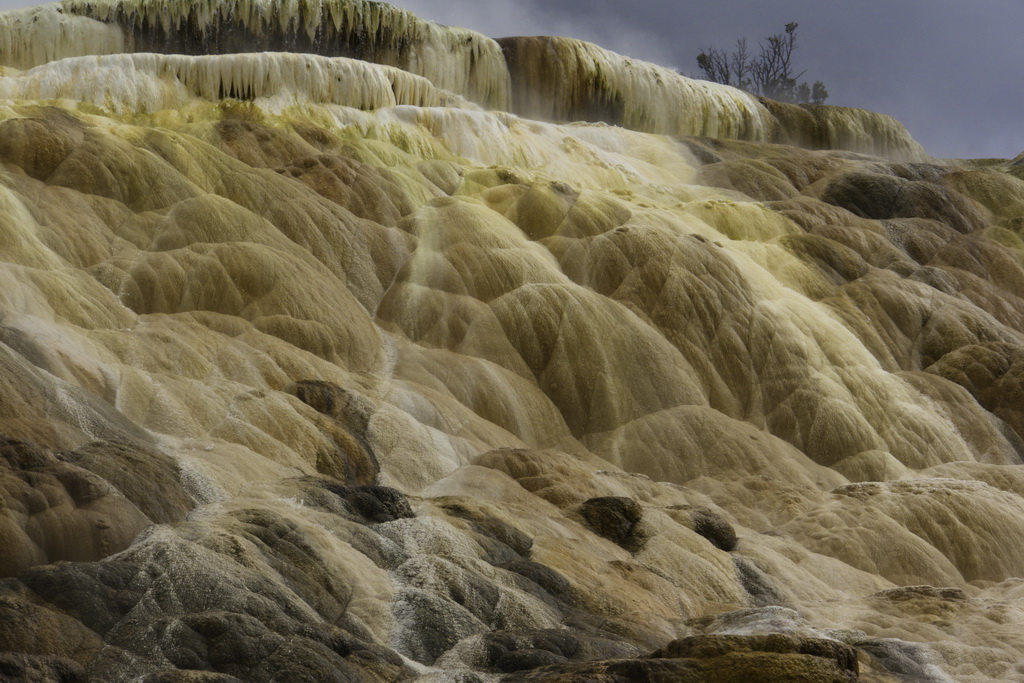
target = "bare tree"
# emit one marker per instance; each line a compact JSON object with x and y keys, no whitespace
{"x":818,"y":93}
{"x":715,"y":65}
{"x":769,"y":74}
{"x":741,"y":64}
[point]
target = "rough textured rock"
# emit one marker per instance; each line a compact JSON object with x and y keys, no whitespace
{"x":725,"y":659}
{"x":882,"y":196}
{"x":373,"y":503}
{"x":20,"y":667}
{"x":758,"y":585}
{"x":614,"y":517}
{"x":55,"y":511}
{"x":711,"y":526}
{"x":137,"y":473}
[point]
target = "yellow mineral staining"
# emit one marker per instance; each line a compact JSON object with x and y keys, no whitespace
{"x":563,"y":79}
{"x":829,"y":127}
{"x":142,"y":83}
{"x":926,"y":514}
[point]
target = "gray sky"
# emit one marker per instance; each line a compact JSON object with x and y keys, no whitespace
{"x":951,"y":70}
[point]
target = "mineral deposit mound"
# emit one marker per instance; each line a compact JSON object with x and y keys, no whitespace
{"x":338,"y":345}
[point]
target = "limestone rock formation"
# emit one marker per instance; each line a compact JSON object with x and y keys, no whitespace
{"x":339,"y":345}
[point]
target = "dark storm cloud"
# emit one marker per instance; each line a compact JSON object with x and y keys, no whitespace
{"x":950,"y":70}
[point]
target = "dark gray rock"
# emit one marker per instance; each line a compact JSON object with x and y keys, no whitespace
{"x":766,"y":658}
{"x":899,"y":657}
{"x":615,"y":518}
{"x":523,"y":660}
{"x":187,"y":676}
{"x":511,"y":651}
{"x":502,"y":541}
{"x":428,"y":625}
{"x":758,"y":585}
{"x":137,"y":472}
{"x":328,"y":398}
{"x":375,"y":504}
{"x":444,"y":579}
{"x":22,"y":668}
{"x":713,"y":527}
{"x":550,"y":581}
{"x":885,"y":196}
{"x":98,"y":594}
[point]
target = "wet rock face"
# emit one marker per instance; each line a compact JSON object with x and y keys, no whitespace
{"x":351,"y":459}
{"x":489,"y":526}
{"x":724,"y":659}
{"x":330,"y":399}
{"x":542,"y":580}
{"x":898,"y":658}
{"x":20,"y":667}
{"x":41,"y":143}
{"x":713,"y":527}
{"x":994,"y":375}
{"x":711,"y":646}
{"x":53,"y":510}
{"x":365,"y":190}
{"x":615,"y":518}
{"x":883,"y":196}
{"x":511,"y":652}
{"x":199,"y":611}
{"x":435,"y":625}
{"x":136,"y":472}
{"x":375,"y":504}
{"x":762,"y":589}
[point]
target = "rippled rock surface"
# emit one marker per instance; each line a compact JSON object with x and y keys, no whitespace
{"x":339,"y":345}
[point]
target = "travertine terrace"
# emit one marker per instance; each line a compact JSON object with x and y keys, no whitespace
{"x":337,"y":345}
